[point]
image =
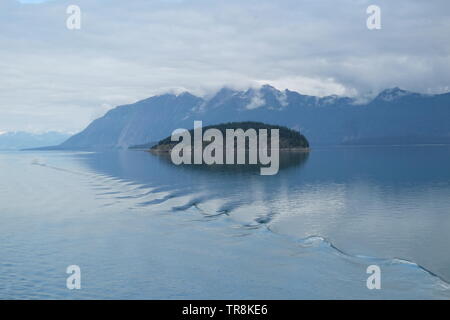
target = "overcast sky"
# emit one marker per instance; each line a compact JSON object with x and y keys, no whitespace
{"x":52,"y":78}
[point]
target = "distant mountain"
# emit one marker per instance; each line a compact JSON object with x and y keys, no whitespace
{"x":395,"y":116}
{"x":144,"y":146}
{"x":22,"y":140}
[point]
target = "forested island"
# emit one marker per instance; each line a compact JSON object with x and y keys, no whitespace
{"x":289,"y":139}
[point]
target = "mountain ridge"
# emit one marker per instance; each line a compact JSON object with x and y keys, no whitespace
{"x":331,"y":120}
{"x":17,"y":140}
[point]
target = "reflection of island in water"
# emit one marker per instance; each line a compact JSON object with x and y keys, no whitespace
{"x":288,"y":159}
{"x":250,"y":141}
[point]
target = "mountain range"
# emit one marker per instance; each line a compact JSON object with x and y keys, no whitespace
{"x":394,"y":116}
{"x":21,"y":139}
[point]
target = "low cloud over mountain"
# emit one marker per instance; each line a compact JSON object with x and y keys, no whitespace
{"x":395,"y":116}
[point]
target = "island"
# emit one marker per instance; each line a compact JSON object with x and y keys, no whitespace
{"x":245,"y":144}
{"x":289,"y":139}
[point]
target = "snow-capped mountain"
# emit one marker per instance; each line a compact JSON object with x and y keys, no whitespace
{"x":395,"y":116}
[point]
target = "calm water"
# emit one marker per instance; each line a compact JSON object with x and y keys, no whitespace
{"x":140,"y":227}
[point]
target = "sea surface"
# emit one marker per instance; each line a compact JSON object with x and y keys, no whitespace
{"x":140,"y":227}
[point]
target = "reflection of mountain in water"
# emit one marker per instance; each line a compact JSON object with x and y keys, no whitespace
{"x":379,"y":202}
{"x":383,"y":202}
{"x":140,"y":216}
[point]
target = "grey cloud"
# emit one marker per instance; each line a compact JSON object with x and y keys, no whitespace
{"x":56,"y":79}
